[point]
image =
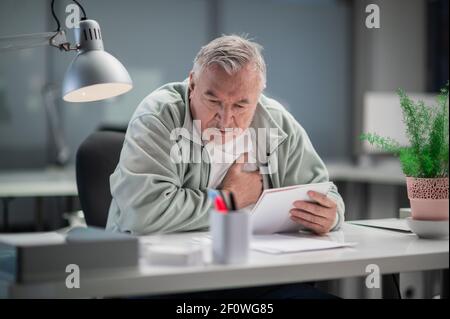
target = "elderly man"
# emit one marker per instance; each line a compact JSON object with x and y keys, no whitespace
{"x":200,"y":134}
{"x":154,"y":191}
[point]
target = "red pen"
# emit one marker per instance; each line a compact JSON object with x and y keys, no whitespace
{"x":220,"y":205}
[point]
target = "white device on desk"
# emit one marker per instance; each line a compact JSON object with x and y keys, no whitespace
{"x":271,"y":213}
{"x":173,"y":255}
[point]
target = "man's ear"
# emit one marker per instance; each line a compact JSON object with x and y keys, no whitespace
{"x":191,"y":81}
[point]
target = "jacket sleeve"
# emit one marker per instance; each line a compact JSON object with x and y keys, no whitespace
{"x":146,"y":184}
{"x":304,"y":166}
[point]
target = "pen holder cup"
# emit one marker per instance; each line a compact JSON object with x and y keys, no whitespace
{"x":230,"y":234}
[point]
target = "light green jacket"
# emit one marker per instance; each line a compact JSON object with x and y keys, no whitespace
{"x":154,"y":194}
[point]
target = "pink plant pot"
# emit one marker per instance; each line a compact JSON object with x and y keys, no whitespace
{"x":428,"y":198}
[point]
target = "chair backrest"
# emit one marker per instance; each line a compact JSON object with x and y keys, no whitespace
{"x":96,"y":160}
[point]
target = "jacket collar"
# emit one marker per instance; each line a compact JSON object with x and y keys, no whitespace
{"x":273,"y":135}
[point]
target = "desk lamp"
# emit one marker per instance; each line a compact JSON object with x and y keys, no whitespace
{"x":94,"y":74}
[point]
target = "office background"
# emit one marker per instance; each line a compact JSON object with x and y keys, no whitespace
{"x":321,"y":61}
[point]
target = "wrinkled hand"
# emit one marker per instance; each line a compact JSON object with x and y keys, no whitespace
{"x":245,"y":186}
{"x":319,"y":216}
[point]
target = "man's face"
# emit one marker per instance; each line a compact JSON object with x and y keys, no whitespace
{"x":224,"y":102}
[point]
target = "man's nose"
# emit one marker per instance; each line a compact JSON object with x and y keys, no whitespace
{"x":226,"y":118}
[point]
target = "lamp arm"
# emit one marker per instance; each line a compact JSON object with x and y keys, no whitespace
{"x":56,"y":39}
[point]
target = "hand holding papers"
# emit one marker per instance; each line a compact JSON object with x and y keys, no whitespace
{"x":271,"y":212}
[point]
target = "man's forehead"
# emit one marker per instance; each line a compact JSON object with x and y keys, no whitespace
{"x":218,"y":86}
{"x":242,"y":96}
{"x":238,"y":94}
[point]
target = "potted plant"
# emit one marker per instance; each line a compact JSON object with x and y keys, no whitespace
{"x":425,"y":160}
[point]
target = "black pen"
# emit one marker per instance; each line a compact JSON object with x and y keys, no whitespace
{"x":232,"y":202}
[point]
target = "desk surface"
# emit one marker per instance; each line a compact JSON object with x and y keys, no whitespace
{"x":392,"y":251}
{"x":388,"y":172}
{"x":38,"y":183}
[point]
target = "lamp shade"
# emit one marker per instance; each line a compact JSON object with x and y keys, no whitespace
{"x":94,"y":74}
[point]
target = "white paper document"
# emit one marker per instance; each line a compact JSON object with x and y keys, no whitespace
{"x":284,"y":244}
{"x":271,"y":213}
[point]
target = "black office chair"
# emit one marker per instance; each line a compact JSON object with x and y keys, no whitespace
{"x":96,"y":159}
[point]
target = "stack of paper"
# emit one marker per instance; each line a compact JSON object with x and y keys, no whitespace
{"x":31,"y":257}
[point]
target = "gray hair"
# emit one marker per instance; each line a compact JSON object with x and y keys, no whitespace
{"x":231,"y":52}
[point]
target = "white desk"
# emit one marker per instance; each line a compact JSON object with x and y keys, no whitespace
{"x":393,"y":252}
{"x":388,"y":172}
{"x":50,"y":182}
{"x":38,"y":183}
